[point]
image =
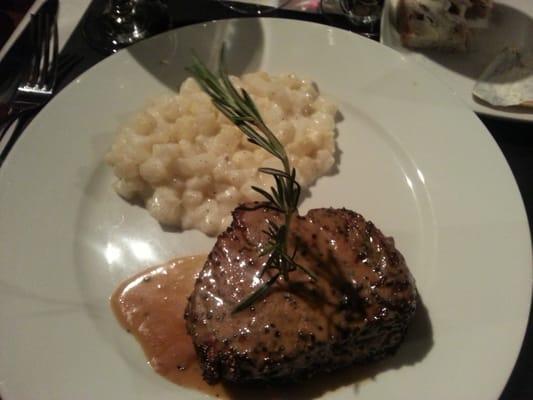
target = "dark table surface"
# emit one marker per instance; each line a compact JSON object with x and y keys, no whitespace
{"x":515,"y":140}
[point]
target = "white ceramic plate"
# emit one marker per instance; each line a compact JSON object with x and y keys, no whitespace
{"x":511,"y":24}
{"x":412,"y":158}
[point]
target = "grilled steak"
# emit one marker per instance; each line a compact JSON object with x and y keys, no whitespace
{"x":357,"y":311}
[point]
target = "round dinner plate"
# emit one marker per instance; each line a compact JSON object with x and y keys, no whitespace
{"x":411,"y":158}
{"x":510,"y":25}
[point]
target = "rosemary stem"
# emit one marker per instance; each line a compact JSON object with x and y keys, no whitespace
{"x":239,"y":107}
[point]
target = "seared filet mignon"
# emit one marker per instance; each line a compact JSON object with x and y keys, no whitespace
{"x":357,"y":311}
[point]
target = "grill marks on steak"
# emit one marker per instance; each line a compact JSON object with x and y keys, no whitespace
{"x":357,"y":310}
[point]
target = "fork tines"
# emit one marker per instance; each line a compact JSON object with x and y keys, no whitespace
{"x":43,"y":69}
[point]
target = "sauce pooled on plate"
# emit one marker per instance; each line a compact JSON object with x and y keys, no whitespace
{"x":150,"y":306}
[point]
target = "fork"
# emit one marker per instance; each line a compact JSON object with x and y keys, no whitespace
{"x":38,"y":87}
{"x":43,"y":68}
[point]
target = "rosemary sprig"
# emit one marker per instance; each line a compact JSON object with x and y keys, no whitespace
{"x":239,"y":108}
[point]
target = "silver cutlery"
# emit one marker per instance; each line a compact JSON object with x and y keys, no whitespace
{"x":38,"y":87}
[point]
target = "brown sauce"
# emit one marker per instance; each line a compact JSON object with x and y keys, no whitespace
{"x":150,"y":305}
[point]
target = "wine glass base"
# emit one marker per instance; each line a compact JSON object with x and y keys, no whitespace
{"x":109,"y":33}
{"x":363,"y":16}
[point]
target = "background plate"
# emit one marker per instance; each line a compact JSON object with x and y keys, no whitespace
{"x":511,"y":24}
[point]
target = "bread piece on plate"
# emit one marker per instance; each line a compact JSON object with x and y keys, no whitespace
{"x":508,"y":79}
{"x":443,"y":24}
{"x":430,"y":24}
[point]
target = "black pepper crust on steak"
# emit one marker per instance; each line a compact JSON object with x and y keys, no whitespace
{"x":357,"y":311}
